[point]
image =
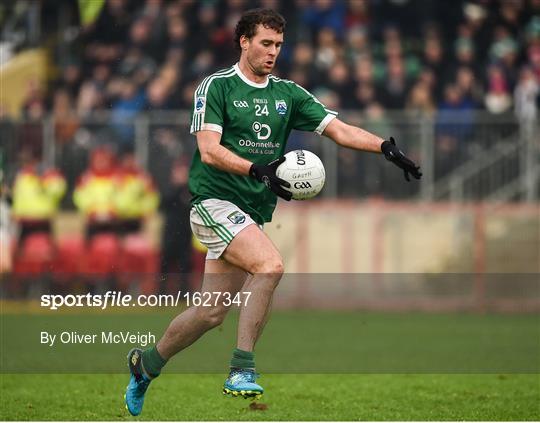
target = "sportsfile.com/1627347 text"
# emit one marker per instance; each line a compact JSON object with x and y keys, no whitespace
{"x":119,"y":299}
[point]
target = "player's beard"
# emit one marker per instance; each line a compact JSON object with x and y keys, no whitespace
{"x":259,"y":68}
{"x":263,"y":71}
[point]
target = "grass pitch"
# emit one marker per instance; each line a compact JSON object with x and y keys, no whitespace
{"x":288,"y":397}
{"x":316,"y":366}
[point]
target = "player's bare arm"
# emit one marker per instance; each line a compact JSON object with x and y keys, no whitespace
{"x":359,"y":139}
{"x":214,"y":154}
{"x":352,"y":137}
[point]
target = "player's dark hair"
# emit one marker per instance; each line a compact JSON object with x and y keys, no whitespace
{"x":247,"y":25}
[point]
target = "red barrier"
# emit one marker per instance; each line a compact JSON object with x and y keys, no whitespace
{"x":35,"y":255}
{"x":101,"y":258}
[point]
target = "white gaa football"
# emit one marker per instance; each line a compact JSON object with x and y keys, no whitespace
{"x":304,"y":171}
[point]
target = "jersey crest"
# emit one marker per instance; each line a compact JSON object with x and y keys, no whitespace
{"x":281,"y":107}
{"x":237,"y":218}
{"x":200,"y":104}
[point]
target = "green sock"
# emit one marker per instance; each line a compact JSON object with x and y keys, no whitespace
{"x":243,"y":359}
{"x":152,"y":362}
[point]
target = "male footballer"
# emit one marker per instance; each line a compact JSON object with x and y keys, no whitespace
{"x":234,"y":192}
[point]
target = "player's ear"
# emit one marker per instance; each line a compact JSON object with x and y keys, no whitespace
{"x":244,"y":42}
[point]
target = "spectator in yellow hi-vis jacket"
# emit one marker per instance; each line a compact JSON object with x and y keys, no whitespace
{"x":136,"y":196}
{"x":36,"y":198}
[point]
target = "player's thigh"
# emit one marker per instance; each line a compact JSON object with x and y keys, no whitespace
{"x":222,"y":276}
{"x":253,"y":251}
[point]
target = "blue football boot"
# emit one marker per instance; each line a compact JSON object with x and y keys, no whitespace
{"x":138,"y":383}
{"x":241,"y":382}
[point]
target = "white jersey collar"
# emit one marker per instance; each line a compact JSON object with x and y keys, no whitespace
{"x":248,"y":81}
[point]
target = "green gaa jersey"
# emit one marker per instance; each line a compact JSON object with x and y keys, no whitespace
{"x":254,"y":120}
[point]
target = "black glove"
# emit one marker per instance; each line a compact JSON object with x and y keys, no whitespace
{"x":396,"y":156}
{"x":267,"y":175}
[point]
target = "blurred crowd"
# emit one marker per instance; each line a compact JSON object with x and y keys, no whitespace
{"x":419,"y":55}
{"x":429,"y":58}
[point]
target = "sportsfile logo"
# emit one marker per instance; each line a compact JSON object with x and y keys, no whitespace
{"x":119,"y":299}
{"x":110,"y":299}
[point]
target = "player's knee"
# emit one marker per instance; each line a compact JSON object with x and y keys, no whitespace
{"x":273,"y":266}
{"x":278,"y":268}
{"x":211,"y":316}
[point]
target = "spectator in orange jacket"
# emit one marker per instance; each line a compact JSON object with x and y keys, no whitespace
{"x":95,"y":193}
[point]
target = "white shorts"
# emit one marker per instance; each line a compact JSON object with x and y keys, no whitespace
{"x":215,"y":223}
